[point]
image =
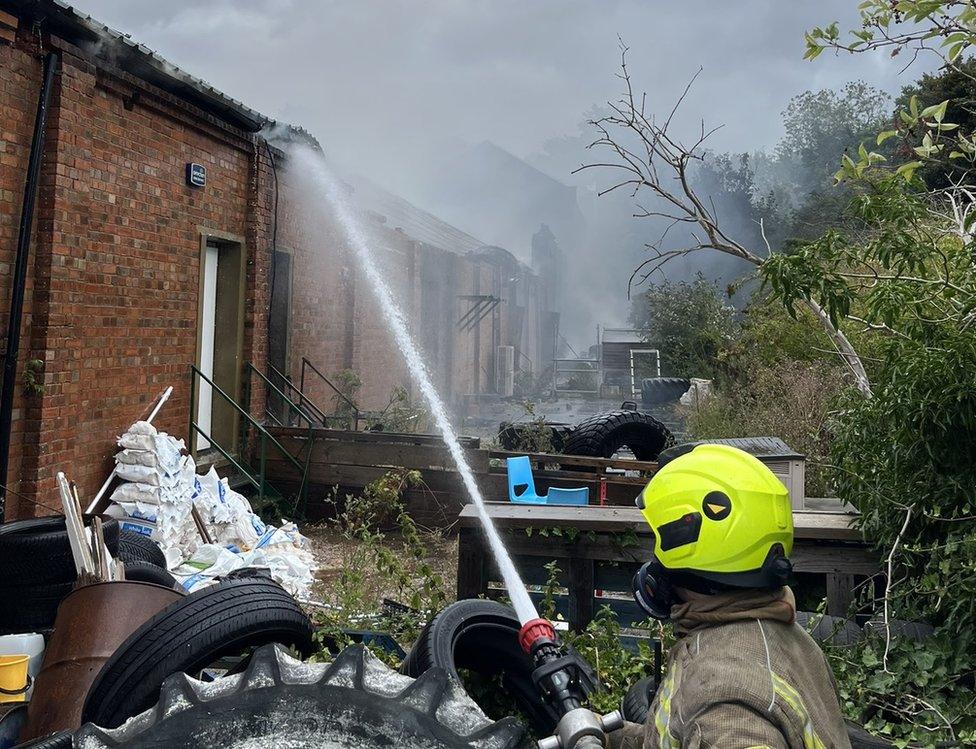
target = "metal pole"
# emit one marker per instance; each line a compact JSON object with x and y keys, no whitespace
{"x":19,"y":277}
{"x":261,"y":477}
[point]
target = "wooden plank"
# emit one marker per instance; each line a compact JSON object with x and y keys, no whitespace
{"x":627,"y":612}
{"x":344,"y":435}
{"x":353,"y":478}
{"x":817,"y":525}
{"x":580,"y":592}
{"x":472,"y":574}
{"x":418,"y":457}
{"x":579,"y":460}
{"x":840,"y":594}
{"x":638,"y":482}
{"x":532,"y":569}
{"x":507,"y":515}
{"x":359,"y":476}
{"x":832,"y":558}
{"x":615,"y":576}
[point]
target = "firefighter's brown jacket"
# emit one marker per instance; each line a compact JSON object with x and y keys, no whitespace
{"x":742,"y":674}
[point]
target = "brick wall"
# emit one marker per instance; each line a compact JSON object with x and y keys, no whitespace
{"x":117,"y":260}
{"x":20,"y":84}
{"x":113,"y":286}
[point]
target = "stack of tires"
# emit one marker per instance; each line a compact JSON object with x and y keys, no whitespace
{"x":37,"y":570}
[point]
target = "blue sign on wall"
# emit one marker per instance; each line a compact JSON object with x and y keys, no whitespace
{"x":196,"y":175}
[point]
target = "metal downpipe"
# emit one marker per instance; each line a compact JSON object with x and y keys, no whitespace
{"x":19,"y":278}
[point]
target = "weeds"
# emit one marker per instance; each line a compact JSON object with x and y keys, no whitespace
{"x":390,"y":555}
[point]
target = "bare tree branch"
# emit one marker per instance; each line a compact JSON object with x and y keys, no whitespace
{"x":639,"y":147}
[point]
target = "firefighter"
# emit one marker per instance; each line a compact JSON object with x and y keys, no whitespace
{"x":742,"y":672}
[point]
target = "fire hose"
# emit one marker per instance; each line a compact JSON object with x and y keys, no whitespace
{"x":564,"y":684}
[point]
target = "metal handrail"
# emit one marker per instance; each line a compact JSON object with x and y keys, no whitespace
{"x":357,"y":414}
{"x":298,"y":409}
{"x":302,"y":398}
{"x":257,"y":481}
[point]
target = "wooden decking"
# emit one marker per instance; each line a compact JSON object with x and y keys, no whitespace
{"x":351,"y":460}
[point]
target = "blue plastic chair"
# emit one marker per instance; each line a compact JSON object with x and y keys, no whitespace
{"x":521,"y":487}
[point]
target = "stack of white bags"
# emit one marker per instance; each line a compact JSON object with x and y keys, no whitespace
{"x":159,"y":490}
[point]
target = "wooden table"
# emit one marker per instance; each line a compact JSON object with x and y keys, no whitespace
{"x":599,"y":548}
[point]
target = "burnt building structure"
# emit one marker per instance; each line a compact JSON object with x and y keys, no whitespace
{"x":168,"y":233}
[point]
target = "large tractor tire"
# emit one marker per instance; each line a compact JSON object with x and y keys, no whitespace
{"x":603,"y":435}
{"x":658,"y":390}
{"x":355,"y":702}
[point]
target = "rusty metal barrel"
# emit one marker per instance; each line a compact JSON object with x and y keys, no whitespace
{"x":92,"y":622}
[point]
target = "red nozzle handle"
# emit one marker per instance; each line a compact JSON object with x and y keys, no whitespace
{"x":533,"y":630}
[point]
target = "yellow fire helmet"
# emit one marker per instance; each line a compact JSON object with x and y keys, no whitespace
{"x":719,"y":514}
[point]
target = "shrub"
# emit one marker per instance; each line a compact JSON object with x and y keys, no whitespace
{"x":905,"y":459}
{"x":790,"y":400}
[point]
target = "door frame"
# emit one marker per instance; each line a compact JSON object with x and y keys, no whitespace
{"x":217,"y":236}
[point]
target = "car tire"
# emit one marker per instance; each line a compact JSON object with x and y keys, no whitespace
{"x":829,"y":630}
{"x":38,"y":550}
{"x":636,"y":704}
{"x":135,"y":547}
{"x":190,"y":634}
{"x":481,"y":636}
{"x":143,"y":572}
{"x":36,"y":606}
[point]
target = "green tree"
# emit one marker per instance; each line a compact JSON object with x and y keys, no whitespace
{"x":957,"y":86}
{"x":822,"y":125}
{"x":689,"y":323}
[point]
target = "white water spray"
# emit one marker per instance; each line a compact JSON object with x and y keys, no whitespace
{"x":324,"y":179}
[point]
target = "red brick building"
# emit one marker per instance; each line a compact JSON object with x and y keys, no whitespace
{"x":134,"y":274}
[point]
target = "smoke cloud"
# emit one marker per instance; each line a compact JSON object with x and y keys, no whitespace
{"x":470,"y":110}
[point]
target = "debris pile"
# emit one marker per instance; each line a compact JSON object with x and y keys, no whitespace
{"x":205,"y":528}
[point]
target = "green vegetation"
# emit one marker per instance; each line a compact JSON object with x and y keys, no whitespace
{"x":381,"y":562}
{"x":858,"y":345}
{"x":401,"y":414}
{"x":688,"y":323}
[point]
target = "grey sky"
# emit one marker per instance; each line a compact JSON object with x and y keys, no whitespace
{"x":380,"y":80}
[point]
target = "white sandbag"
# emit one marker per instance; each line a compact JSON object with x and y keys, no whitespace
{"x":130,"y":441}
{"x":131,"y":457}
{"x":227,"y":513}
{"x":141,"y":427}
{"x":291,"y":569}
{"x":698,"y":392}
{"x":146,"y":475}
